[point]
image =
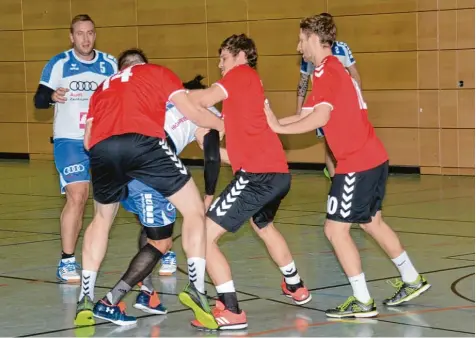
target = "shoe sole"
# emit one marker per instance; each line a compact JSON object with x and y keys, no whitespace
{"x":412,"y":296}
{"x":149,"y":310}
{"x":166,"y":273}
{"x":355,"y":315}
{"x":206,"y":319}
{"x":300,"y":302}
{"x":117,"y":322}
{"x":84,"y":318}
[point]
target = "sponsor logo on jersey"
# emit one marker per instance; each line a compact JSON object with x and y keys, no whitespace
{"x":83,"y":86}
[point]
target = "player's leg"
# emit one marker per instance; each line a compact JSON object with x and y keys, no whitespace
{"x":412,"y":284}
{"x":109,"y":188}
{"x":72,"y":164}
{"x":349,"y":201}
{"x":241,"y":199}
{"x":330,"y":162}
{"x":162,"y":170}
{"x":157,"y":217}
{"x":262,"y":222}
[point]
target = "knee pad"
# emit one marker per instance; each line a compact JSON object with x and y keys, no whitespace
{"x":158,"y":233}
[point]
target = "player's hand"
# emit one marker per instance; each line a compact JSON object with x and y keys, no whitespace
{"x":272,"y":120}
{"x":207,"y":200}
{"x":59,"y":95}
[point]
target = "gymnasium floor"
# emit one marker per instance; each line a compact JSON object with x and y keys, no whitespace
{"x":433,"y":215}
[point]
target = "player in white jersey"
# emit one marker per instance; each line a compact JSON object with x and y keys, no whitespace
{"x":68,"y":80}
{"x":342,"y":51}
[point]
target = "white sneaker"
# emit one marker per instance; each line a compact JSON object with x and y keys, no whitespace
{"x":66,"y":271}
{"x":169,"y":264}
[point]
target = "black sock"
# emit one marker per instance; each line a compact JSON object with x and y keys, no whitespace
{"x":65,"y":255}
{"x":230,"y":301}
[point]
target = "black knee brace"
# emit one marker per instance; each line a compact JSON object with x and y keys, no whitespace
{"x":158,"y":233}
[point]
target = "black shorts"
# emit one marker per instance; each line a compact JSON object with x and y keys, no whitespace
{"x":356,"y":197}
{"x":249,"y":195}
{"x":117,"y":160}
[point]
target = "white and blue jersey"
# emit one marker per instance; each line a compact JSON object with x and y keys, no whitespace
{"x":81,"y":78}
{"x":153,"y":209}
{"x":340,"y":50}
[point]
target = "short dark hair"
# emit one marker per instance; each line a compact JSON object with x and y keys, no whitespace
{"x":322,"y":25}
{"x":241,"y":43}
{"x":80,"y":18}
{"x":130,"y":57}
{"x":196,"y":83}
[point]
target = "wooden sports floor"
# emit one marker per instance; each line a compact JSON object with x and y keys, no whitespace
{"x":433,"y":215}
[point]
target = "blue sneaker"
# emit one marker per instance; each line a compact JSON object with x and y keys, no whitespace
{"x":113,"y":313}
{"x":169,"y":264}
{"x":150,"y":303}
{"x":66,"y":271}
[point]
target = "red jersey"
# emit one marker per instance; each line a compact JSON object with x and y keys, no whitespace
{"x":349,"y":133}
{"x":250,"y":142}
{"x":132,"y":101}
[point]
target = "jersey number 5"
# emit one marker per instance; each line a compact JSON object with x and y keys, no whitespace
{"x":123,"y":75}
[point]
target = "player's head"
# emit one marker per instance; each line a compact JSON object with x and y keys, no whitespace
{"x":82,"y":34}
{"x":196,"y":83}
{"x":316,"y":37}
{"x":237,"y":50}
{"x":131,"y":57}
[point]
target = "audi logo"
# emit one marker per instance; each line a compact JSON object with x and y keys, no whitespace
{"x":73,"y":169}
{"x":83,"y":86}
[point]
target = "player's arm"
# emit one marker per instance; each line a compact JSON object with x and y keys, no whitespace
{"x":305,"y":70}
{"x":301,"y":91}
{"x":49,"y":91}
{"x":87,"y":133}
{"x":317,"y":118}
{"x":208,"y":97}
{"x":197,"y":114}
{"x":355,"y":74}
{"x":224,"y":156}
{"x":210,"y":143}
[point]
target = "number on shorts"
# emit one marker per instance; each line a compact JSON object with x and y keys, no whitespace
{"x":123,"y":75}
{"x":362,"y":103}
{"x":332,"y":205}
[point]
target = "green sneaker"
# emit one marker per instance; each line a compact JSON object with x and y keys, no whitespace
{"x":326,"y":173}
{"x":352,"y":308}
{"x":406,"y":291}
{"x":84,"y":312}
{"x":198,"y":302}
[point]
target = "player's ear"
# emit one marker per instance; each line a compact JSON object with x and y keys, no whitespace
{"x":71,"y":37}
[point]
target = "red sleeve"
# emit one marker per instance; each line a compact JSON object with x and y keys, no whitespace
{"x":323,"y":88}
{"x":170,"y":83}
{"x":233,"y":80}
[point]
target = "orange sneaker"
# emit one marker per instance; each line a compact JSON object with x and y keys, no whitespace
{"x":300,"y":296}
{"x":226,"y":319}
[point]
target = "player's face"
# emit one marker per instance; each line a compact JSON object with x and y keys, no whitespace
{"x":304,"y":46}
{"x":83,"y":37}
{"x":228,"y":61}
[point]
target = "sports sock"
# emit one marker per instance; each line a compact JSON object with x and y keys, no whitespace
{"x":88,"y":281}
{"x":196,"y":272}
{"x":406,"y":268}
{"x":359,"y":286}
{"x":227,"y":295}
{"x":291,"y":276}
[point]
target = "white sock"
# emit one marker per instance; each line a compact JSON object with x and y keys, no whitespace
{"x":359,"y":286}
{"x":145,"y":288}
{"x":406,"y":268}
{"x":196,"y":272}
{"x":290,"y":274}
{"x":226,"y":287}
{"x":88,"y":281}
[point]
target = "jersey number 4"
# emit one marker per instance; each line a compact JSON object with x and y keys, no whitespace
{"x":123,"y":75}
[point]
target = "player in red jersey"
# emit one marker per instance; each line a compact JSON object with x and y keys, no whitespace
{"x":126,"y":140}
{"x":358,"y":188}
{"x":261,"y":179}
